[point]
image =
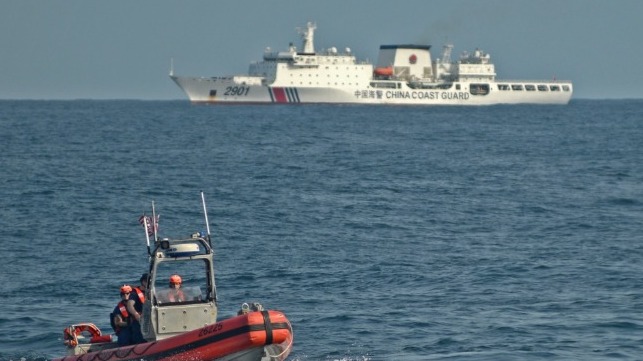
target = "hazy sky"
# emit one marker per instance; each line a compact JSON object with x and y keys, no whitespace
{"x":51,"y":49}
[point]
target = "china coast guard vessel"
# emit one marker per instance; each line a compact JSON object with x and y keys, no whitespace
{"x":404,"y":74}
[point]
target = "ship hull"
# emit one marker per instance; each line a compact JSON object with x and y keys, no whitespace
{"x":225,"y":90}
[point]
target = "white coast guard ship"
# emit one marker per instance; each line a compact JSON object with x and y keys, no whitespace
{"x":404,"y":74}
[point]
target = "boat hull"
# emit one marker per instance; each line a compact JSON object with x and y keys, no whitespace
{"x":225,"y":90}
{"x":242,"y":338}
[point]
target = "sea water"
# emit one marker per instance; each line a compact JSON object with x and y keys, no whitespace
{"x":383,"y":233}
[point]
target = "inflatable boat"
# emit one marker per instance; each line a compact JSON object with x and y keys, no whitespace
{"x":186,"y":328}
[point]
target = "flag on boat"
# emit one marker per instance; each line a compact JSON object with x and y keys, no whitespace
{"x":151,"y":228}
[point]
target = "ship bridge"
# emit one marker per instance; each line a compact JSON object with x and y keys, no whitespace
{"x":476,"y":66}
{"x":329,"y":67}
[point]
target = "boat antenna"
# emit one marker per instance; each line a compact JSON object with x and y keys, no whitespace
{"x":154,"y":224}
{"x":207,"y":223}
{"x":171,"y":66}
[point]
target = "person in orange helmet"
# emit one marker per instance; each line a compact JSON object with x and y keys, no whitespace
{"x":175,"y":294}
{"x":120,"y":319}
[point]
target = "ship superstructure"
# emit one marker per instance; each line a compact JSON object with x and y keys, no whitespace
{"x":404,"y":74}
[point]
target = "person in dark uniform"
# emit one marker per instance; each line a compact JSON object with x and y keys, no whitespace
{"x":120,"y":318}
{"x":135,"y":309}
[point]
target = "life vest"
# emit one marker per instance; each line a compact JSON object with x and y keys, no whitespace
{"x":140,"y":294}
{"x":138,"y":304}
{"x":122,"y":310}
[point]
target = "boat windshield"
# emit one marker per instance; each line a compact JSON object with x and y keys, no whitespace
{"x":187,"y":294}
{"x":194,"y":286}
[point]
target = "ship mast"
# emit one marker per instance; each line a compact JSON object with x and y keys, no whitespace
{"x":307,"y":36}
{"x":444,"y":63}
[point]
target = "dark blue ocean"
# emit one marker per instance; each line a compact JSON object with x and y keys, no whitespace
{"x":383,"y":233}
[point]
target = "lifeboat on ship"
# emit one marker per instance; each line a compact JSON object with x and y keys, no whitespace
{"x":186,"y":329}
{"x":383,"y":71}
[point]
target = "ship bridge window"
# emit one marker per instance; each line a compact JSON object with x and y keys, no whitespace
{"x":516,"y":86}
{"x":566,"y":88}
{"x":542,"y":88}
{"x":503,"y":87}
{"x":479,"y":89}
{"x":554,"y":88}
{"x":530,"y":87}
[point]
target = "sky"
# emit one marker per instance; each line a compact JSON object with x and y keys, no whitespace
{"x":117,"y":49}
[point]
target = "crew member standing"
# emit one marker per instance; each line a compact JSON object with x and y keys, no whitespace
{"x":135,"y":309}
{"x":120,"y":318}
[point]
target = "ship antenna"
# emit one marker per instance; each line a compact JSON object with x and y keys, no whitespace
{"x":171,"y":66}
{"x":207,"y":223}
